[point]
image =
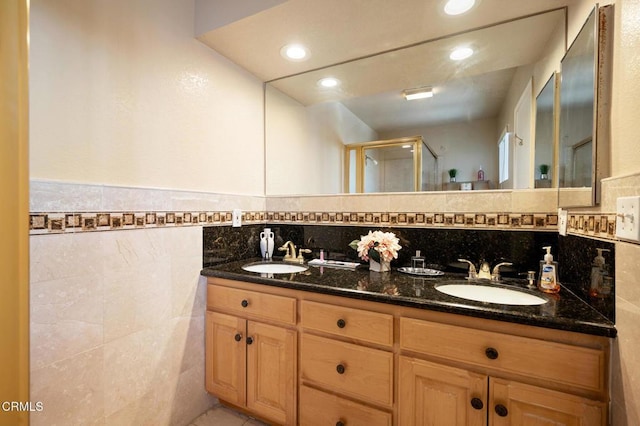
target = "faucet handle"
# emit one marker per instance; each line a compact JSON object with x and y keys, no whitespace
{"x":495,"y":274}
{"x":472,"y":269}
{"x":302,"y":250}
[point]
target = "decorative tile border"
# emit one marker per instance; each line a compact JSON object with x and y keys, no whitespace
{"x":598,"y":225}
{"x":537,"y":221}
{"x":47,"y":223}
{"x":56,"y":223}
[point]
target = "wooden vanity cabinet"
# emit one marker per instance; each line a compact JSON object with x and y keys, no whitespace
{"x":250,"y":363}
{"x":316,"y":359}
{"x":474,"y":382}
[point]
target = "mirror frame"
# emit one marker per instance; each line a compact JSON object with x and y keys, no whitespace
{"x":554,"y":82}
{"x":600,"y":134}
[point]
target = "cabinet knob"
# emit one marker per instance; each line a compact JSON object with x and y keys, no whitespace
{"x":249,"y":340}
{"x":477,"y":403}
{"x":340,"y":423}
{"x":244,"y":303}
{"x":340,"y":369}
{"x":501,"y":410}
{"x":238,"y":337}
{"x":341,"y":323}
{"x":491,"y":353}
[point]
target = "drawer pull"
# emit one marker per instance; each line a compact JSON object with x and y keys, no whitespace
{"x":340,"y":369}
{"x":340,"y":423}
{"x":238,"y":337}
{"x":341,"y":323}
{"x":501,"y":410}
{"x":477,"y":403}
{"x":249,"y":340}
{"x":491,"y":353}
{"x":244,"y":303}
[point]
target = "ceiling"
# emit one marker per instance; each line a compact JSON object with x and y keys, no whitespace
{"x":338,"y":31}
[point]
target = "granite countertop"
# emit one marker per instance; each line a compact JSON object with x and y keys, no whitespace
{"x":564,"y":311}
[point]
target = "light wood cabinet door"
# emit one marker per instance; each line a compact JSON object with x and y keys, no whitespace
{"x":225,"y":365}
{"x":433,"y":394}
{"x":517,"y":404}
{"x":271,"y":372}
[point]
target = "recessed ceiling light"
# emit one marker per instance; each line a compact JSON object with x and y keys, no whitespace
{"x":461,"y":53}
{"x":328,"y":82}
{"x":295,"y":52}
{"x":419,"y":93}
{"x":457,"y":7}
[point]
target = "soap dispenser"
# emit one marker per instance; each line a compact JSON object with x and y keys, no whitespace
{"x":548,"y":282}
{"x":598,"y":272}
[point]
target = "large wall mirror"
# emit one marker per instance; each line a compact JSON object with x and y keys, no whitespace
{"x":584,"y":112}
{"x":308,"y":125}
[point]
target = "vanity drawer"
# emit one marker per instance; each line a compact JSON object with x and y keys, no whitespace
{"x":318,"y":408}
{"x":570,"y":365}
{"x":252,"y":304}
{"x":350,"y":369}
{"x":366,"y":326}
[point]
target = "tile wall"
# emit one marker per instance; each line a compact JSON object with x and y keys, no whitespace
{"x":117,"y":318}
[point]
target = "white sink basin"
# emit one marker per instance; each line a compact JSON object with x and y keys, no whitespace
{"x":490,"y":294}
{"x":274,"y":268}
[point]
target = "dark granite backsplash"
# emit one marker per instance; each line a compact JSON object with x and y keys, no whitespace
{"x":575,"y":258}
{"x":222,"y":244}
{"x":441,"y":248}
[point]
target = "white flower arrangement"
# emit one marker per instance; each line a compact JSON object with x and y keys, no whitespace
{"x":377,"y":245}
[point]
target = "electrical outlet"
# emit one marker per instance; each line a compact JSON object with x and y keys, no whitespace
{"x":562,"y":222}
{"x":236,"y":220}
{"x":627,"y":218}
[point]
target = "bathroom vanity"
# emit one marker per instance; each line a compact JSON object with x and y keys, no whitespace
{"x":347,"y":347}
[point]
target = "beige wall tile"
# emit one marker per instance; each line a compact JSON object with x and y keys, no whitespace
{"x":613,"y":188}
{"x":469,"y":201}
{"x":66,"y":318}
{"x":625,"y":379}
{"x":53,"y":257}
{"x":190,"y":396}
{"x":136,"y":299}
{"x":534,"y":201}
{"x":628,"y":272}
{"x":71,"y":390}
